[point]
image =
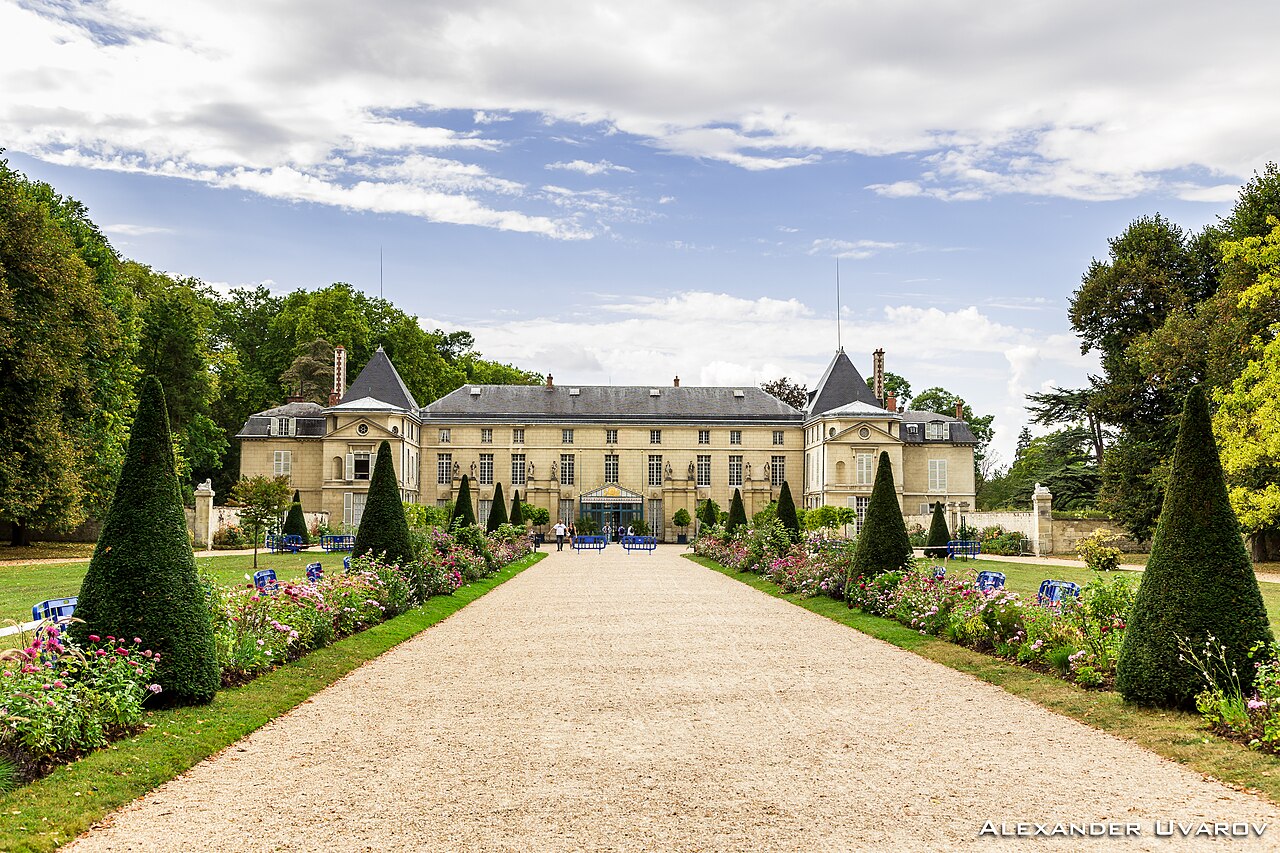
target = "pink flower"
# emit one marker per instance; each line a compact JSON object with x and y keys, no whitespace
{"x":59,"y":684}
{"x":154,"y":688}
{"x":122,"y":651}
{"x":101,"y":653}
{"x":93,"y":638}
{"x":137,"y":639}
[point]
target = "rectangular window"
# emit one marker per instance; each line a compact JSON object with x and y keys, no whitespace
{"x":935,"y":430}
{"x":655,"y":436}
{"x":517,"y":469}
{"x":925,"y":509}
{"x":282,"y":426}
{"x":655,"y":470}
{"x":860,"y":507}
{"x":655,"y":518}
{"x":353,"y":508}
{"x":704,"y":470}
{"x":486,"y":436}
{"x":567,"y":466}
{"x":517,"y":435}
{"x":486,"y":469}
{"x":566,"y":436}
{"x":704,"y":436}
{"x":937,"y":475}
{"x":445,"y":436}
{"x":611,"y":467}
{"x":361,"y":466}
{"x":777,"y":470}
{"x":735,"y":470}
{"x":611,"y":437}
{"x":566,"y":510}
{"x":482,"y":513}
{"x":735,"y":436}
{"x":866,"y":469}
{"x":444,"y":468}
{"x":284,"y":462}
{"x":779,"y":438}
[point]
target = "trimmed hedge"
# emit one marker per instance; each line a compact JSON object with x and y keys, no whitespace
{"x":883,"y":544}
{"x":142,"y":579}
{"x":517,"y":513}
{"x":787,"y":512}
{"x":464,"y":514}
{"x":295,"y":523}
{"x":497,"y":512}
{"x":383,"y":527}
{"x":1199,"y":581}
{"x":939,"y":534}
{"x":737,"y":513}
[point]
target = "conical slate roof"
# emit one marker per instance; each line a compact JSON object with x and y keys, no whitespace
{"x":841,"y":385}
{"x":380,"y":381}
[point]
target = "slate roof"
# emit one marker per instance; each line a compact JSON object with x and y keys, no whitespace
{"x":612,"y":404}
{"x":860,"y":409}
{"x":841,"y":385}
{"x":308,"y":423}
{"x":379,"y":380}
{"x":960,"y":432}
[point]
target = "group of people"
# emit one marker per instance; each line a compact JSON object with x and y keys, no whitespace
{"x":563,"y":530}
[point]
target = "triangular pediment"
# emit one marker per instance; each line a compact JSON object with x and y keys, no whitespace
{"x":612,"y":493}
{"x":374,"y":431}
{"x":875,"y":432}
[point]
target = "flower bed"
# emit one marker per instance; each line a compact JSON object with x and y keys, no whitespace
{"x":59,"y":700}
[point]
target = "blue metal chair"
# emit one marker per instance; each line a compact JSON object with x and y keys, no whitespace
{"x":55,"y":609}
{"x":265,"y":580}
{"x":1052,"y":592}
{"x":939,"y":572}
{"x":315,"y":572}
{"x":990,"y":581}
{"x":346,"y":564}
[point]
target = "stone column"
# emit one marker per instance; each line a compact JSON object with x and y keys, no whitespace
{"x":953,"y":518}
{"x":1041,"y":521}
{"x":204,"y":515}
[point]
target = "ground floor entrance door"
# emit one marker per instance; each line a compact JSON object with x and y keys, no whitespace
{"x":613,"y":507}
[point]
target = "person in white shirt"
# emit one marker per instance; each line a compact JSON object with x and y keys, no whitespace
{"x":560,"y":531}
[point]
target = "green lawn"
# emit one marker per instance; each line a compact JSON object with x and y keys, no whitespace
{"x":22,"y":585}
{"x":1025,"y":578}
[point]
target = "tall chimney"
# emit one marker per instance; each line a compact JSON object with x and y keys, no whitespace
{"x":877,"y":369}
{"x":891,"y":403}
{"x":550,"y":383}
{"x":959,"y":410}
{"x":339,"y":372}
{"x":677,"y":382}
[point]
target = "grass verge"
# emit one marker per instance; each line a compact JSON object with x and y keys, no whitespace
{"x":1175,"y":735}
{"x":52,"y":811}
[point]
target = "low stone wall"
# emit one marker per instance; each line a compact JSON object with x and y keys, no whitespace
{"x":229,"y":516}
{"x":87,"y":532}
{"x":1068,"y":531}
{"x":1013,"y":522}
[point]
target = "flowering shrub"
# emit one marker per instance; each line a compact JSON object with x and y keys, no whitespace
{"x":1253,"y":719}
{"x":1099,"y":551}
{"x":230,"y":538}
{"x":58,"y":700}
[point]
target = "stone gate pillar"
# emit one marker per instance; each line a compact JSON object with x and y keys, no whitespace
{"x":1042,"y":520}
{"x":204,"y":515}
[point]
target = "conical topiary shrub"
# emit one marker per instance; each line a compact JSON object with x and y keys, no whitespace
{"x":497,"y":512}
{"x":737,"y":514}
{"x":142,"y":579}
{"x":1199,"y":582}
{"x":883,"y":544}
{"x":383,"y":528}
{"x":517,"y":513}
{"x":708,"y":514}
{"x":787,"y":512}
{"x":295,"y":523}
{"x":939,"y":535}
{"x":464,"y":514}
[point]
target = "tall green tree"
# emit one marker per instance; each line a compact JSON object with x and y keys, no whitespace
{"x":1199,"y":586}
{"x":497,"y":512}
{"x":142,"y":579}
{"x":899,"y":387}
{"x":383,"y":527}
{"x":261,"y":500}
{"x":883,"y":544}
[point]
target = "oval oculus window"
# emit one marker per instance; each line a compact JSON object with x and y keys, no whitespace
{"x":363,"y":429}
{"x":864,"y":433}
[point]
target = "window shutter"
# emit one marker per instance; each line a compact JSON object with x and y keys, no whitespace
{"x":271,"y":426}
{"x":351,"y":469}
{"x":287,"y":466}
{"x":346,"y":503}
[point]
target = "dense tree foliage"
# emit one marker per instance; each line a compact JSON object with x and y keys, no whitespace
{"x":794,"y":394}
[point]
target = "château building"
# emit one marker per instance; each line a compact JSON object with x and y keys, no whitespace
{"x":616,"y":454}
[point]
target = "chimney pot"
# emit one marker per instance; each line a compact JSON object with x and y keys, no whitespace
{"x":891,"y":403}
{"x":550,"y":382}
{"x":877,"y":373}
{"x":677,"y":382}
{"x":959,"y":410}
{"x":333,"y":398}
{"x":295,"y":398}
{"x":339,"y":371}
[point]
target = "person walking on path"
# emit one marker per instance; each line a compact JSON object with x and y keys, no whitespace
{"x":573,"y":531}
{"x":560,"y":531}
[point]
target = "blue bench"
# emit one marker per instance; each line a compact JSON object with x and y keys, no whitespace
{"x":279,"y":543}
{"x":590,"y":543}
{"x":315,"y":573}
{"x":265,"y":580}
{"x":963,"y":548}
{"x":939,"y":572}
{"x":1053,"y":592}
{"x":338,"y":543}
{"x":990,"y":581}
{"x":639,"y":543}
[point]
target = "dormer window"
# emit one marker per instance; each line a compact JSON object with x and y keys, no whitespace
{"x":281,"y":426}
{"x":913,"y":430}
{"x":935,"y":431}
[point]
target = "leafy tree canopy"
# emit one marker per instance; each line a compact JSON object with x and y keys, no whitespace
{"x":794,"y":394}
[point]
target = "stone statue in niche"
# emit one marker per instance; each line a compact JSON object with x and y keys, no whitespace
{"x":747,"y":467}
{"x":473,"y":470}
{"x":690,"y":470}
{"x":768,"y":471}
{"x":457,"y":469}
{"x":554,"y":472}
{"x":668,"y":469}
{"x":529,"y":469}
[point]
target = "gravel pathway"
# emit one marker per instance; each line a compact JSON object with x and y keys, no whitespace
{"x":638,"y":702}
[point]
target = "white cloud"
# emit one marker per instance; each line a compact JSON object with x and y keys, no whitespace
{"x":601,"y":167}
{"x":482,"y":117}
{"x":125,"y":229}
{"x":710,"y":338}
{"x":856,"y":249}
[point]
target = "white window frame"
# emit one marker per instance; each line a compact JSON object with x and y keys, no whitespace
{"x":704,"y":436}
{"x":655,"y":469}
{"x":777,"y":470}
{"x":735,"y":470}
{"x":864,"y":468}
{"x":446,"y":436}
{"x":357,"y":456}
{"x":485,"y":469}
{"x":486,"y":435}
{"x":283,"y":463}
{"x":935,"y":431}
{"x":517,"y":435}
{"x":566,"y":436}
{"x":704,"y":471}
{"x":518,"y":470}
{"x":611,"y":461}
{"x":444,"y":469}
{"x":568,"y":469}
{"x":779,"y":438}
{"x":353,"y":504}
{"x":610,"y":436}
{"x":735,"y":436}
{"x":655,"y":436}
{"x":937,"y":476}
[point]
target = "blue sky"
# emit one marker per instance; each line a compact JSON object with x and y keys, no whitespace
{"x":624,"y":196}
